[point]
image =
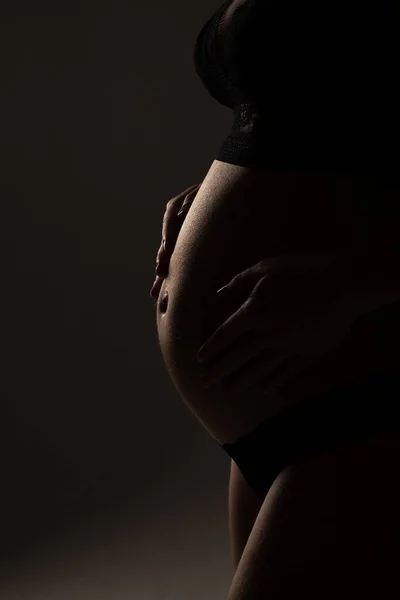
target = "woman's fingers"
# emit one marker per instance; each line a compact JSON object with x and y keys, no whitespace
{"x":155,"y":290}
{"x":162,"y":261}
{"x":171,"y":227}
{"x":172,"y":223}
{"x":188,"y":202}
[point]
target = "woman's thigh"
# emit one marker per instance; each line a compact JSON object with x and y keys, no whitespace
{"x":329,"y":528}
{"x":238,"y":217}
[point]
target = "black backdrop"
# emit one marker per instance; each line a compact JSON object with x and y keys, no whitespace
{"x":110,"y":486}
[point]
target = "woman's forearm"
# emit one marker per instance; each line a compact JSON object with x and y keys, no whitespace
{"x":365,"y":281}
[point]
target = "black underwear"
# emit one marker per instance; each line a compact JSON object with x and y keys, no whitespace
{"x":342,"y":416}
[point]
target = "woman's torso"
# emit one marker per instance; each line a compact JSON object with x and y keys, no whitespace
{"x":238,"y":217}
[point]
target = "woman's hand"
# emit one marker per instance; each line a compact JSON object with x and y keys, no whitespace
{"x":175,"y":214}
{"x":286,"y":322}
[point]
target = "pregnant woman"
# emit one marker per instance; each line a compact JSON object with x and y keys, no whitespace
{"x":298,"y":374}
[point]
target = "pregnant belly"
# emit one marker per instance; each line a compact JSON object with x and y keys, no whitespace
{"x":239,"y":217}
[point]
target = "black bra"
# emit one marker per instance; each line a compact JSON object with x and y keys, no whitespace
{"x":312,"y":84}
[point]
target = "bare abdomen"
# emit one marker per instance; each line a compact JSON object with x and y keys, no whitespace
{"x":239,"y":217}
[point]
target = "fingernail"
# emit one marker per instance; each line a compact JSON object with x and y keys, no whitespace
{"x":164,"y":303}
{"x":164,"y":244}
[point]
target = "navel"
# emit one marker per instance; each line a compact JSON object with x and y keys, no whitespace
{"x":164,"y":303}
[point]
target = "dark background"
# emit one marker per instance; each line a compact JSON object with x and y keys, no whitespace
{"x":111,"y":489}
